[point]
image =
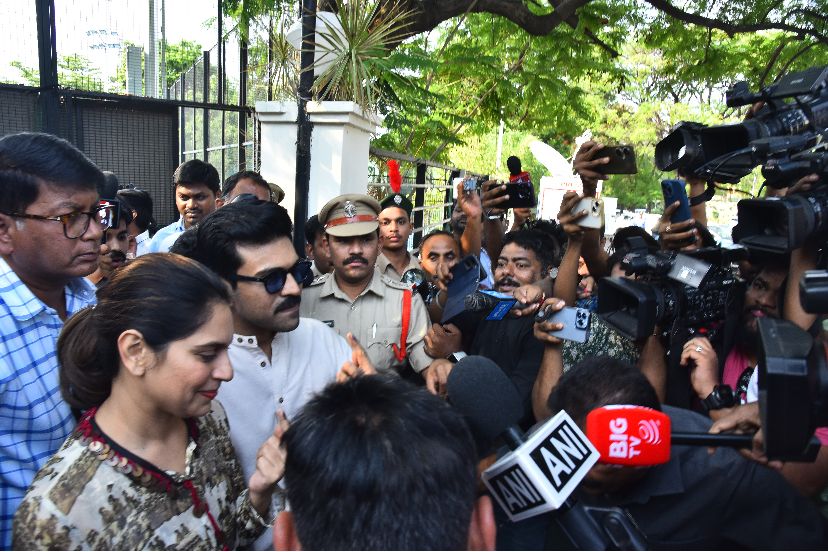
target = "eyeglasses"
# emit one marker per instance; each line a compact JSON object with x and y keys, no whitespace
{"x":275,"y":280}
{"x":75,"y":225}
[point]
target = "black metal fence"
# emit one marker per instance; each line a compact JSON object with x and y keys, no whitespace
{"x":136,"y":138}
{"x":128,"y":122}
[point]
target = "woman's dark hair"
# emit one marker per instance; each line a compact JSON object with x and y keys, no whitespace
{"x":164,"y":296}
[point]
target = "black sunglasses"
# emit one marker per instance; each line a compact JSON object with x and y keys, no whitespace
{"x":275,"y":280}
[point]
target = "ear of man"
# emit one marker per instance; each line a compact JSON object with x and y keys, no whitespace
{"x":482,"y":529}
{"x":7,"y":230}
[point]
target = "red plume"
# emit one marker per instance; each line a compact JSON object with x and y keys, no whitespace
{"x":394,"y":176}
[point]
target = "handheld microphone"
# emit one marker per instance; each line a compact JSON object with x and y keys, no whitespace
{"x":629,"y":435}
{"x":543,"y":468}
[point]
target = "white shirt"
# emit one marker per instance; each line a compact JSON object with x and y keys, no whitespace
{"x":302,"y":363}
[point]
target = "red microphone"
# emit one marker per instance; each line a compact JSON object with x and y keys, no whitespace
{"x":629,"y":435}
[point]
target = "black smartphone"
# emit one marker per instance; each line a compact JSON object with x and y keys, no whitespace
{"x":465,"y":276}
{"x":621,"y":160}
{"x":521,"y":192}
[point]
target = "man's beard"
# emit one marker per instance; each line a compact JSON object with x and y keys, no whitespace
{"x":747,"y":334}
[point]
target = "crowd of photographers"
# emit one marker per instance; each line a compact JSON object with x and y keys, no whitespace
{"x":202,"y":385}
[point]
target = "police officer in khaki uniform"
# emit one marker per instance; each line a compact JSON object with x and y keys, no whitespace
{"x":394,"y":230}
{"x":356,"y":298}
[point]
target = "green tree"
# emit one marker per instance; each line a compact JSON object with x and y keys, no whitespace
{"x":74,"y":71}
{"x":179,"y":57}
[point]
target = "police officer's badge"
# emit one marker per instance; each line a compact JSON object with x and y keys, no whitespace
{"x":398,"y":199}
{"x":350,"y":209}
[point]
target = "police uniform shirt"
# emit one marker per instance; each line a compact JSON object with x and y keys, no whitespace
{"x":386,"y":268}
{"x":375,"y":318}
{"x":315,"y":269}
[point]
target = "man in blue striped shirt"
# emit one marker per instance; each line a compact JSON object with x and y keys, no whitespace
{"x":50,"y":234}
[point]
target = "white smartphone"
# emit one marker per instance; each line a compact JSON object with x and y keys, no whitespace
{"x":595,"y":212}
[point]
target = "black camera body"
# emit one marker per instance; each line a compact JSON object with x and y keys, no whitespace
{"x":669,"y":287}
{"x":793,"y":389}
{"x":420,"y":284}
{"x":726,"y":153}
{"x":780,"y":225}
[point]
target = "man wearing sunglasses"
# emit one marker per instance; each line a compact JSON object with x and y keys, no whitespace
{"x":279,"y":359}
{"x":50,"y":235}
{"x":381,"y":312}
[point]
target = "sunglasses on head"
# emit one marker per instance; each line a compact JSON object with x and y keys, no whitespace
{"x":276,"y":279}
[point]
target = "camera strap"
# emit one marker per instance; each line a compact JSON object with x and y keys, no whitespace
{"x":400,"y":350}
{"x":706,"y":195}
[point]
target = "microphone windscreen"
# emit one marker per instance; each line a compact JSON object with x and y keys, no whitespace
{"x":629,"y":435}
{"x":479,"y":390}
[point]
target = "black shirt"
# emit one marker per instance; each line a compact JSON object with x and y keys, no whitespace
{"x":699,"y":501}
{"x":511,"y":344}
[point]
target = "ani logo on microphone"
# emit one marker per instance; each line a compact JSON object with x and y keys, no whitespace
{"x":541,"y":474}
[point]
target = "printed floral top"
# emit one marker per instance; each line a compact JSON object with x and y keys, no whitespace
{"x":602,"y":340}
{"x":94,"y":495}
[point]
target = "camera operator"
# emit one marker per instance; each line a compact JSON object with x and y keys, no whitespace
{"x":774,"y":286}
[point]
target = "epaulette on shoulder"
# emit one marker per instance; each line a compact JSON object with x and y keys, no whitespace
{"x":396,"y":284}
{"x":320,"y":279}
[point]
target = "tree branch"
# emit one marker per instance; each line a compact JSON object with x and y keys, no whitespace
{"x":734,"y":28}
{"x":514,"y":67}
{"x":430,"y":13}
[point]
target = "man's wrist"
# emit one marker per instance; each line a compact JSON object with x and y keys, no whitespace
{"x":456,"y":356}
{"x":721,"y":397}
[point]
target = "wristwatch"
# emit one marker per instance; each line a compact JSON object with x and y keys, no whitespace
{"x":721,"y":397}
{"x":456,"y":356}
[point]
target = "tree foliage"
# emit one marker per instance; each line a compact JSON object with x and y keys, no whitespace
{"x":626,"y":69}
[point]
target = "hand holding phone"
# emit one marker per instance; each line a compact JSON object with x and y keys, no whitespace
{"x":594,"y":212}
{"x":621,"y":159}
{"x":673,"y":191}
{"x":575,"y":322}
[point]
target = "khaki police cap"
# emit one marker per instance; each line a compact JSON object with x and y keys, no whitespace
{"x":277,"y":194}
{"x":350,"y":215}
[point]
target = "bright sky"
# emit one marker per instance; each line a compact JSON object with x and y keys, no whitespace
{"x":96,"y":29}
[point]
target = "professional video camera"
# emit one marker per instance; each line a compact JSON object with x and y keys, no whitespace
{"x":779,"y":225}
{"x":693,"y":288}
{"x":726,"y":153}
{"x":788,"y":138}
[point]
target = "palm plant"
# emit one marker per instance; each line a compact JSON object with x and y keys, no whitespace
{"x":360,"y":69}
